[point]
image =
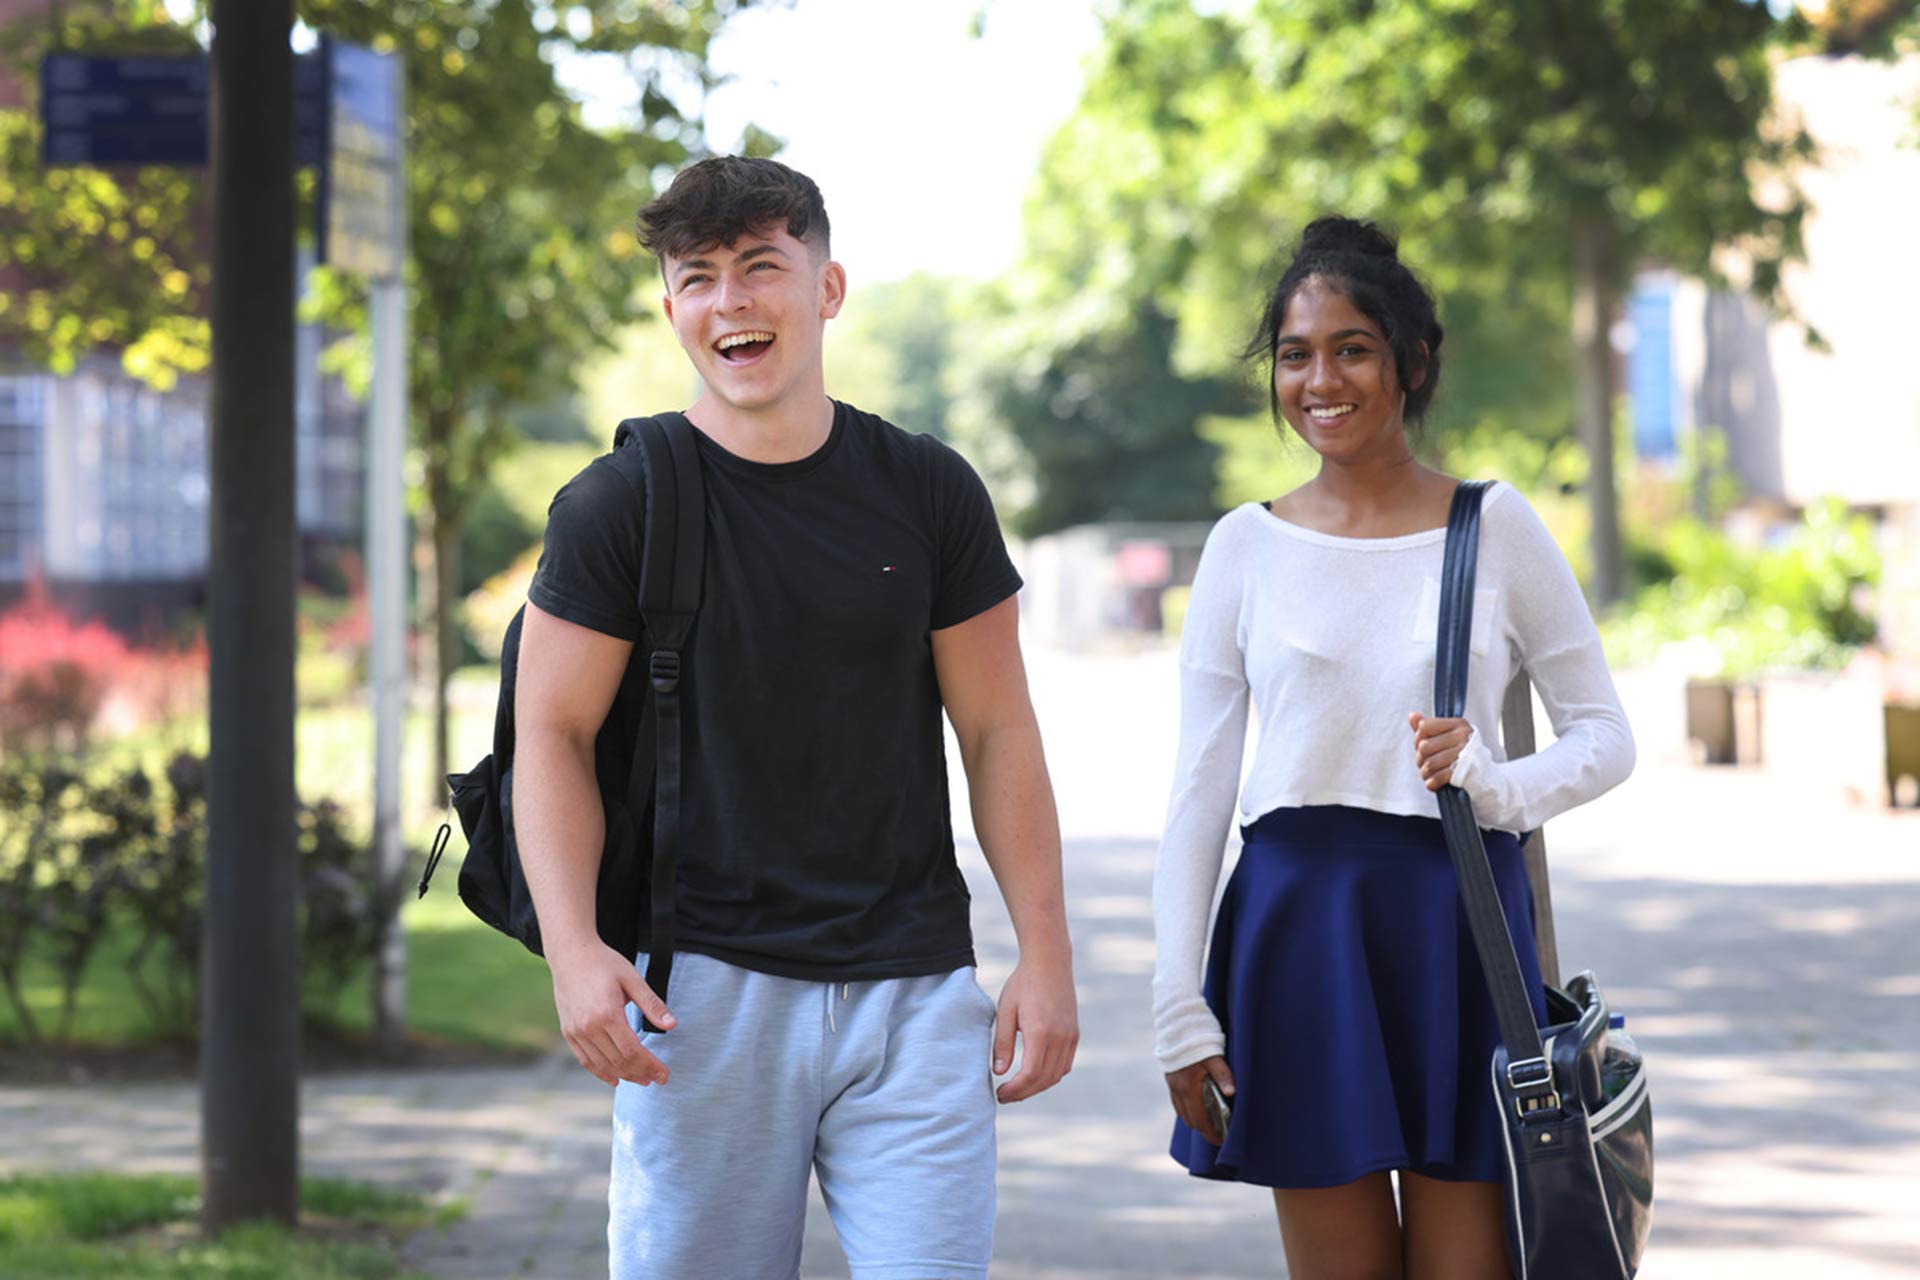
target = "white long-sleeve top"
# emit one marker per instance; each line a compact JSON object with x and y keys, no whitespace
{"x":1333,"y":640}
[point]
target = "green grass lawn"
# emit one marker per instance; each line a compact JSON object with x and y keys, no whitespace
{"x":90,"y":1225}
{"x":465,"y":984}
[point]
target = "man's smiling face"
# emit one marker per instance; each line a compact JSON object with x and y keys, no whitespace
{"x":751,"y":315}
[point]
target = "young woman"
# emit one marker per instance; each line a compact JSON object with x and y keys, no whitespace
{"x":1344,"y":1015}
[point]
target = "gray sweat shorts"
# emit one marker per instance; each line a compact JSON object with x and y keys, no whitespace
{"x":882,"y":1089}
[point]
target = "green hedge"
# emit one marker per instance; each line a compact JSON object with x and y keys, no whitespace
{"x":91,"y":851}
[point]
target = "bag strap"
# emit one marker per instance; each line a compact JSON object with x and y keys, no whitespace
{"x":1527,"y":1070}
{"x":672,"y":568}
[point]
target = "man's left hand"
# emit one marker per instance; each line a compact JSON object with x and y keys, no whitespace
{"x":1039,"y":1004}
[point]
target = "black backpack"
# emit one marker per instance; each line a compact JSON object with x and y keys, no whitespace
{"x":637,"y":751}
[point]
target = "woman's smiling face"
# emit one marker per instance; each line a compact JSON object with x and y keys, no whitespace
{"x":1333,"y":376}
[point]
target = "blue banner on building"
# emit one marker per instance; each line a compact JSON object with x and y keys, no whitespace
{"x":1650,"y":376}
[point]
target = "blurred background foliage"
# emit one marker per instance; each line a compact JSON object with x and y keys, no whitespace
{"x":521,"y":264}
{"x":1530,"y":156}
{"x":1100,"y":378}
{"x":101,"y":855}
{"x":1527,"y":155}
{"x":522,"y":260}
{"x":96,"y":259}
{"x":1802,"y":602}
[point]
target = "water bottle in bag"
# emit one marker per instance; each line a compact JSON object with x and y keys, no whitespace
{"x":1620,"y":1061}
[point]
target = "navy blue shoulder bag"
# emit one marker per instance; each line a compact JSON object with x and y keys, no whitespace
{"x":1579,"y":1151}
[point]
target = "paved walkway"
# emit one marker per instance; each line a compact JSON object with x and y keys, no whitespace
{"x":1763,"y":935}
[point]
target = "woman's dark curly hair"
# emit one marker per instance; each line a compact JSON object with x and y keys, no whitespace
{"x":1362,"y":261}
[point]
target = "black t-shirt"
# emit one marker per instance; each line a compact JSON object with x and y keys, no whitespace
{"x":816,"y":841}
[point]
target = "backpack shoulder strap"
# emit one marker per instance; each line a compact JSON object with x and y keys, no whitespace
{"x":673,"y":559}
{"x":672,"y":566}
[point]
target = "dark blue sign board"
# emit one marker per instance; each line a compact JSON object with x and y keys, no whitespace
{"x":149,"y":110}
{"x":139,"y":111}
{"x":118,"y":111}
{"x":364,"y":86}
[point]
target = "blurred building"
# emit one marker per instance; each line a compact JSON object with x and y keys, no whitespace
{"x":1101,"y":584}
{"x":103,"y":482}
{"x":1801,"y":422}
{"x":104,"y":479}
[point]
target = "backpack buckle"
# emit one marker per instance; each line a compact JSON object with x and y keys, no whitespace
{"x":663,"y":669}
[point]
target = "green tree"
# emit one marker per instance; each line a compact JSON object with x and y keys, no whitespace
{"x":914,"y":319}
{"x":1159,"y":197}
{"x":892,"y":350}
{"x":1082,"y":373}
{"x":91,"y":258}
{"x":522,"y":258}
{"x":1530,"y":152}
{"x":1106,"y":425}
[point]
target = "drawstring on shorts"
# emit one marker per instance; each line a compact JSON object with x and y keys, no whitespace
{"x":831,"y":1024}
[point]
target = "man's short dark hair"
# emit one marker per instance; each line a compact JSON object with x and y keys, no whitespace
{"x":717,"y":201}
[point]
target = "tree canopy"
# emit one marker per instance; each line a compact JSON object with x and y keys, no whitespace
{"x":96,"y":259}
{"x":1491,"y":136}
{"x":522,"y":258}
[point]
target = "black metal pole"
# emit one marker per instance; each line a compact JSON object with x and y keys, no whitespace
{"x":250,"y":1028}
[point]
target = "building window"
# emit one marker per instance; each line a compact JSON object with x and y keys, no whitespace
{"x":20,"y":412}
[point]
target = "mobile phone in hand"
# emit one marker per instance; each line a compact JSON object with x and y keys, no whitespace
{"x":1219,"y":1110}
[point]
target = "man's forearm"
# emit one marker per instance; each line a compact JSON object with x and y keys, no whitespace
{"x":560,"y":828}
{"x":1019,"y":830}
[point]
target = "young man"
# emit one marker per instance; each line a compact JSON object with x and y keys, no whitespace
{"x":824,"y":1012}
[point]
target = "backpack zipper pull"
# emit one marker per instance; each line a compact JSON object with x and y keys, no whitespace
{"x":440,"y":839}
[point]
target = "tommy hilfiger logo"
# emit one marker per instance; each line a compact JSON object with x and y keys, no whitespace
{"x":888,"y":568}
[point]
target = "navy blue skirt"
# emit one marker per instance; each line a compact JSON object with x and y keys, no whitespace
{"x":1357,"y":1020}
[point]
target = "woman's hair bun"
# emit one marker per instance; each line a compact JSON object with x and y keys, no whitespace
{"x":1335,"y":234}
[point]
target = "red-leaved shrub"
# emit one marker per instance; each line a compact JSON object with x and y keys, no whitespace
{"x":54,"y":672}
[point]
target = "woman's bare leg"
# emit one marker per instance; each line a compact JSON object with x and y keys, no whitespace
{"x":1349,"y":1232}
{"x":1453,"y":1230}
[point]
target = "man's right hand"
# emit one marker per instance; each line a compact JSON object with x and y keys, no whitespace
{"x":592,"y":985}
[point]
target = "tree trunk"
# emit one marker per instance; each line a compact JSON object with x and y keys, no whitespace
{"x":426,"y":587}
{"x":443,"y":579}
{"x":21,"y":1010}
{"x":446,"y":645}
{"x":1596,"y":304}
